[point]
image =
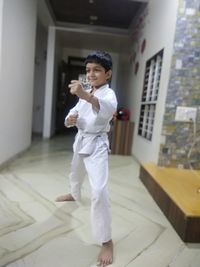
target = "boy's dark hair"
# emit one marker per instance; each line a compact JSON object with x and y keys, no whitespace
{"x":100,"y":57}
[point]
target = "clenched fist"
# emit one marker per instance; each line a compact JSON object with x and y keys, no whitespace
{"x":77,"y":89}
{"x":71,"y":120}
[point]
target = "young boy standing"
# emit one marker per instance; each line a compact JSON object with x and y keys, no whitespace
{"x":92,"y":115}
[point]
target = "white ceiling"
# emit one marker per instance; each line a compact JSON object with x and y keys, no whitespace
{"x":94,"y":40}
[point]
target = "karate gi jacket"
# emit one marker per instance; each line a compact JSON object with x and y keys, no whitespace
{"x":92,"y":123}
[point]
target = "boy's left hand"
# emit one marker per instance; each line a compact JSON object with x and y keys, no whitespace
{"x":77,"y":89}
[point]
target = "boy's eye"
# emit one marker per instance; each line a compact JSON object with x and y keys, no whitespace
{"x":88,"y":71}
{"x":93,"y":70}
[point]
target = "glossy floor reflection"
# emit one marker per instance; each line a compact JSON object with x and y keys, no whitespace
{"x":35,"y":231}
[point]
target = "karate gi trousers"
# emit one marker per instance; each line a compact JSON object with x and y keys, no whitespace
{"x":91,"y":158}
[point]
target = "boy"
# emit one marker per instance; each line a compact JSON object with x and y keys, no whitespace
{"x":92,"y":115}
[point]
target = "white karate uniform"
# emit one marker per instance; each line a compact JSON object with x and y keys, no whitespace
{"x":90,"y":157}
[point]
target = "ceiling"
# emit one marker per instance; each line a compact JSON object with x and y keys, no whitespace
{"x":99,"y":24}
{"x":107,"y":13}
{"x":94,"y":40}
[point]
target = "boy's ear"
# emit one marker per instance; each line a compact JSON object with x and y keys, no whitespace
{"x":109,"y":74}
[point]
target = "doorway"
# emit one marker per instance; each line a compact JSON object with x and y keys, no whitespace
{"x":65,"y":100}
{"x":39,"y":80}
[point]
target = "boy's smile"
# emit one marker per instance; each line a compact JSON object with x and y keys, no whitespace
{"x":97,"y":75}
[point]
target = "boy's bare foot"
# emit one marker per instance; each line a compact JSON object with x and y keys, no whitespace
{"x":106,"y":254}
{"x":67,"y":197}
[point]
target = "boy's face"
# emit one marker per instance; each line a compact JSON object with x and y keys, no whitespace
{"x":97,"y":75}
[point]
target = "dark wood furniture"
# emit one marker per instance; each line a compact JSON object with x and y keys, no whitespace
{"x":122,"y":136}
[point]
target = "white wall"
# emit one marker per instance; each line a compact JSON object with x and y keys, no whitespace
{"x":58,"y":59}
{"x":16,"y":92}
{"x":44,"y":14}
{"x":159,"y":33}
{"x":49,"y":83}
{"x":1,"y":26}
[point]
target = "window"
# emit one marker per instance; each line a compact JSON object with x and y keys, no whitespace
{"x":150,"y":95}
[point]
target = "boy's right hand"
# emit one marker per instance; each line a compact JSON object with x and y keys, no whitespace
{"x":72,"y":119}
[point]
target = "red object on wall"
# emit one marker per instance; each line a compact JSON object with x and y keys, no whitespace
{"x":143,"y":46}
{"x":136,"y":67}
{"x":123,"y":114}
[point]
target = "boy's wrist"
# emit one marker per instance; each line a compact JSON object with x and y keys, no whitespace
{"x":89,"y":97}
{"x":93,"y":101}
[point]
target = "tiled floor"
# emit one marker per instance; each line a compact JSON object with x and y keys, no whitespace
{"x":35,"y":231}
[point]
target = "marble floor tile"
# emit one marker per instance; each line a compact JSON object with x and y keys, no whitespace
{"x":36,"y":231}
